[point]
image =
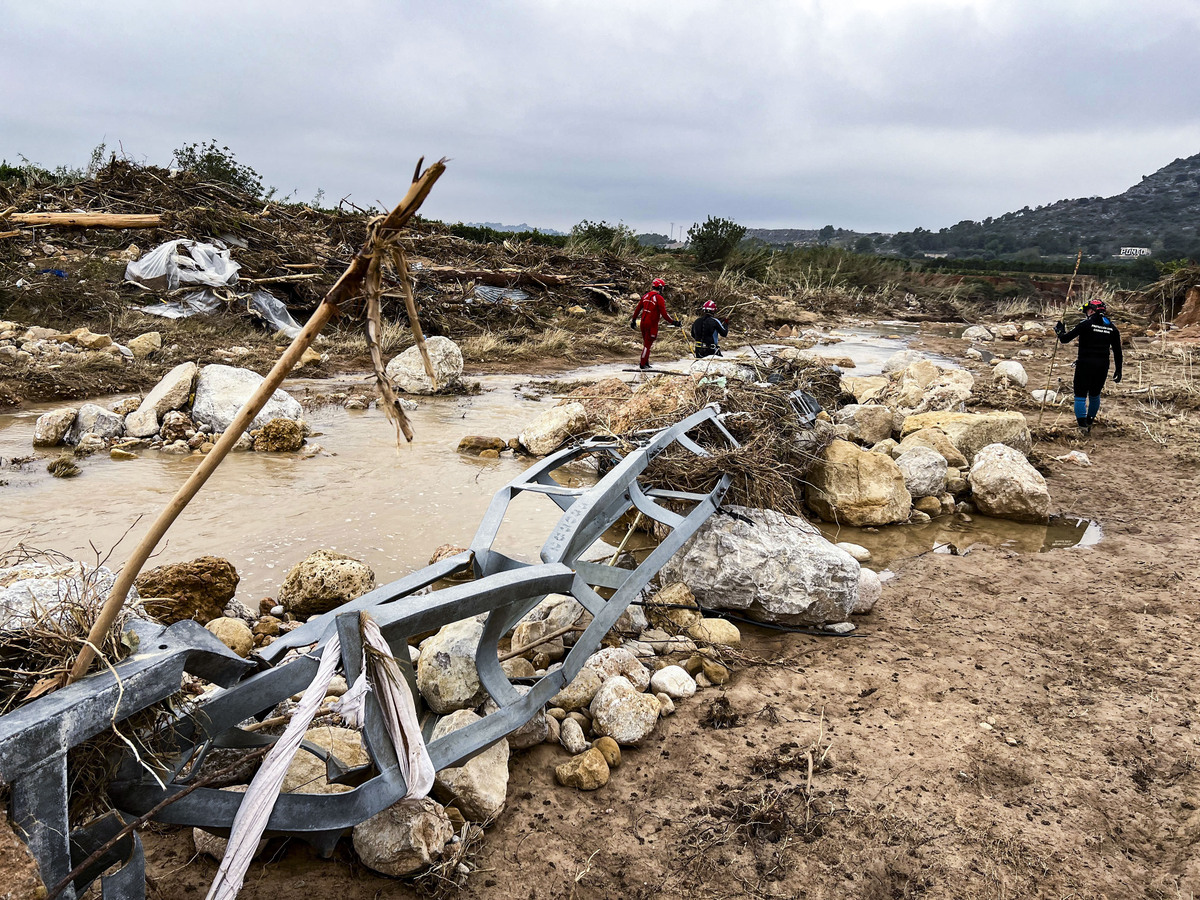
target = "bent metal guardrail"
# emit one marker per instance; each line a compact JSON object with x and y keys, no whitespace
{"x":34,"y":740}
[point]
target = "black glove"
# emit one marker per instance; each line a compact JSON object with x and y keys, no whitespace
{"x":676,"y":324}
{"x":633,"y":325}
{"x":1059,"y":328}
{"x":1117,"y":378}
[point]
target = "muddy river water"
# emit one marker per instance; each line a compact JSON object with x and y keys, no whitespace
{"x":391,"y":507}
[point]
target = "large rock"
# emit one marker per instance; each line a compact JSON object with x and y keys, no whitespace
{"x":1011,"y":372}
{"x":405,"y":837}
{"x":28,"y":588}
{"x":948,"y":391}
{"x":172,"y":391}
{"x":480,"y":785}
{"x":777,"y":567}
{"x":199,"y":589}
{"x":324,"y":580}
{"x":579,"y":691}
{"x":971,"y":432}
{"x":222,"y":390}
{"x":924,"y":472}
{"x":446,"y":673}
{"x":864,"y":387}
{"x":868,"y":424}
{"x":306,"y":773}
{"x":870,"y":589}
{"x":935,"y":439}
{"x":852,"y":486}
{"x":901,"y":360}
{"x":553,"y":428}
{"x":141,"y":423}
{"x":715,"y":367}
{"x":407,"y":370}
{"x":622,"y":712}
{"x":145,"y":344}
{"x":1005,"y":485}
{"x":52,"y":427}
{"x":977,"y":333}
{"x":97,"y":420}
{"x":674,"y":681}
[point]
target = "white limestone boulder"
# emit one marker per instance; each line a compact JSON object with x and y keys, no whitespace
{"x":222,"y":390}
{"x":1005,"y":485}
{"x":50,"y":428}
{"x":777,"y":568}
{"x":446,"y":673}
{"x":97,"y":420}
{"x":480,"y":785}
{"x":407,"y":370}
{"x":553,"y":428}
{"x":924,"y":471}
{"x":622,"y":712}
{"x":404,"y":838}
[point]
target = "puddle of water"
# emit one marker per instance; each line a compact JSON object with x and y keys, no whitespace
{"x":897,"y":542}
{"x":391,"y":508}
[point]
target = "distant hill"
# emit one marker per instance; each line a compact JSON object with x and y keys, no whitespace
{"x":1160,"y":213}
{"x":496,"y":226}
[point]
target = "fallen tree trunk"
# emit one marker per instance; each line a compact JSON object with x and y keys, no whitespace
{"x":88,"y":220}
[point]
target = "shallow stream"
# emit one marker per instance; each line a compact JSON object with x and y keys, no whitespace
{"x":391,"y":507}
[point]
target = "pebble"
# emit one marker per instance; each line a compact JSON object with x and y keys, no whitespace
{"x":666,"y":706}
{"x":840,"y":627}
{"x":571,"y":737}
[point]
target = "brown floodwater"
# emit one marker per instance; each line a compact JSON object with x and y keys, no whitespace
{"x":391,"y":507}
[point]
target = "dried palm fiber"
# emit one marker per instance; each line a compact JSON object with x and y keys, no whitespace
{"x":400,"y":720}
{"x":343,"y":292}
{"x":776,"y":451}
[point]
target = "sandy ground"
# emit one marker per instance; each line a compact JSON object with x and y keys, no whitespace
{"x":1006,"y":726}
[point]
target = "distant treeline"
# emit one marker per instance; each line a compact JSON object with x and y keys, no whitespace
{"x":1048,"y":267}
{"x":483,"y":235}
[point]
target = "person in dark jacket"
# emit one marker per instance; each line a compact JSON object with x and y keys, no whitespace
{"x":1097,"y":336}
{"x":708,"y":330}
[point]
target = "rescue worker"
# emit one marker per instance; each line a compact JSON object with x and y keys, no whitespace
{"x":650,"y":309}
{"x":1097,"y":335}
{"x":708,"y":330}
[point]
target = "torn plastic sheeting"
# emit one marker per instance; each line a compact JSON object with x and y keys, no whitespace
{"x":194,"y":304}
{"x":498,"y":294}
{"x":274,"y":312}
{"x":167,"y":268}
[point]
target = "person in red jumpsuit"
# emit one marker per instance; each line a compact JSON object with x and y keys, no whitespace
{"x":651,"y":308}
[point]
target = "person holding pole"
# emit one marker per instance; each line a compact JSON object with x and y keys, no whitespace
{"x":1097,"y":336}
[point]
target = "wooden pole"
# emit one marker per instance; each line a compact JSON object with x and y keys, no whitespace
{"x":1054,"y":352}
{"x":410,"y":304}
{"x":344,"y":290}
{"x":88,"y":220}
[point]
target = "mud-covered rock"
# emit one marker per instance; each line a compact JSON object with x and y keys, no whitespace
{"x":474,"y":444}
{"x":480,"y":785}
{"x":1005,"y":485}
{"x":579,"y":691}
{"x":52,"y":427}
{"x":852,"y":486}
{"x":322,"y":581}
{"x":553,"y":428}
{"x":234,"y":634}
{"x":404,"y":838}
{"x":588,"y":771}
{"x":280,"y":436}
{"x":198,"y":589}
{"x":145,"y":344}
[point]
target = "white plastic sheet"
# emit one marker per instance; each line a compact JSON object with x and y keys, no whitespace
{"x":179,"y":263}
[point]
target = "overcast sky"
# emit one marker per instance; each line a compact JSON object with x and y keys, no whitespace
{"x":865,"y":114}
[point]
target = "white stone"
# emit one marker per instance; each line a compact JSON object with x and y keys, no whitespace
{"x":28,"y":587}
{"x":407,"y":370}
{"x":901,"y":360}
{"x":1010,"y":372}
{"x":446,"y":673}
{"x":404,"y":838}
{"x":480,"y":785}
{"x":972,"y":353}
{"x":222,"y":390}
{"x":924,"y":471}
{"x":172,"y":391}
{"x":870,"y":588}
{"x":977,"y":333}
{"x":553,"y":428}
{"x":715,"y":367}
{"x":674,"y":681}
{"x":1043,"y":396}
{"x":778,"y":567}
{"x":141,"y":423}
{"x":52,"y":427}
{"x":570,"y":735}
{"x":861,"y":554}
{"x":97,"y":420}
{"x":622,"y":712}
{"x":1005,"y":485}
{"x":610,"y":661}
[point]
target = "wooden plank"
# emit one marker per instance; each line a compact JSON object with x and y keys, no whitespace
{"x":88,"y":220}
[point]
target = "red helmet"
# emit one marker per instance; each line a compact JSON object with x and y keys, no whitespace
{"x":658,"y":282}
{"x":709,"y":306}
{"x":1096,"y":305}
